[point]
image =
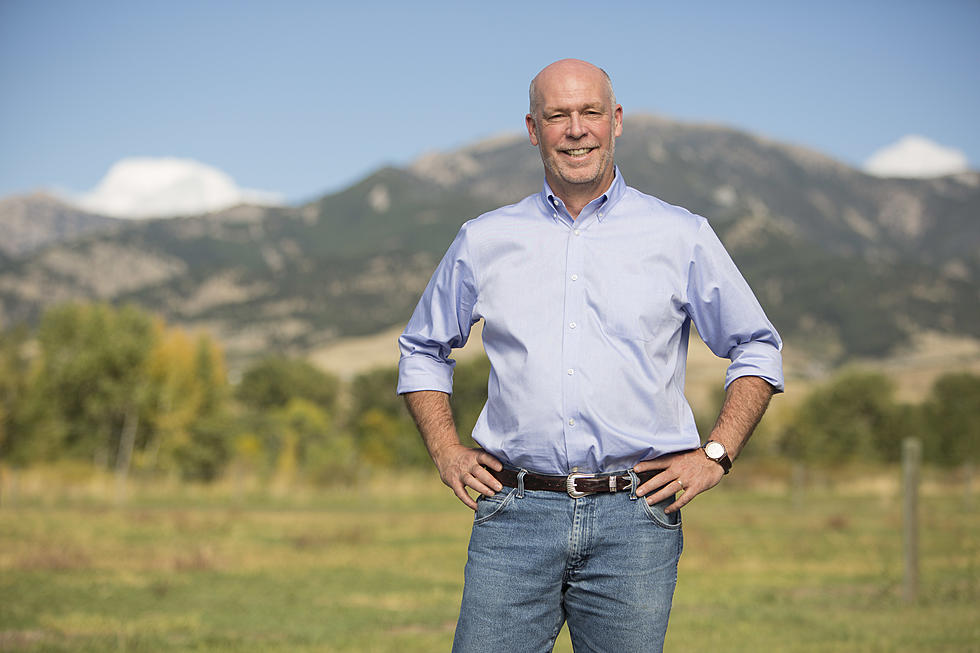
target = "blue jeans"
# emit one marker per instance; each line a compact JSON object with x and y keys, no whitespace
{"x":605,"y":563}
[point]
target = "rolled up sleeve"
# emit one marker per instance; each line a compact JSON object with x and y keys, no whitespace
{"x":728,"y":316}
{"x":441,"y":322}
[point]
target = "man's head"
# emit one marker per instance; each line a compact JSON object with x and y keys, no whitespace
{"x":574,"y":121}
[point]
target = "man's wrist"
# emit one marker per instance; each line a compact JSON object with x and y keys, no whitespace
{"x":449,"y":455}
{"x":717,"y":452}
{"x":440,"y":451}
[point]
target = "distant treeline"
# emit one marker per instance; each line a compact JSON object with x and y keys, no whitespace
{"x":120,"y":389}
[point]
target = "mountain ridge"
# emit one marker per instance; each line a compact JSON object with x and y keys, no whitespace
{"x":845,"y":263}
{"x":34,"y":220}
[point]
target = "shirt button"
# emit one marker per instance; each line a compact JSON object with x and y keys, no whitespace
{"x":578,"y":233}
{"x":571,"y":421}
{"x":574,"y":277}
{"x":571,"y":371}
{"x":600,"y":214}
{"x":572,"y":325}
{"x":554,"y":215}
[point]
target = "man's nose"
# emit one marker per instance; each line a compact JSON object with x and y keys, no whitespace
{"x":576,"y":128}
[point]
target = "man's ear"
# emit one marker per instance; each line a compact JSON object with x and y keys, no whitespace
{"x":532,"y":129}
{"x":618,"y":120}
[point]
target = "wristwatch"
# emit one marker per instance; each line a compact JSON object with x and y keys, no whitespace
{"x":716,"y":451}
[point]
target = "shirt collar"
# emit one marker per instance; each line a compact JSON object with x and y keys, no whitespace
{"x":607,"y":200}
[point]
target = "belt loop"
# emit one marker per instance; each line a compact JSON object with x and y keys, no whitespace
{"x":520,"y":483}
{"x":634,"y":483}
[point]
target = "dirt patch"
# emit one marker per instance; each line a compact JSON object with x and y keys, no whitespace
{"x":12,"y":640}
{"x":54,"y":559}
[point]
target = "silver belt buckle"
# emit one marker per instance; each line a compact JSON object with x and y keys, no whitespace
{"x":570,"y":485}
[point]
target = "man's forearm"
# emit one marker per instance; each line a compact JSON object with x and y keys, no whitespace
{"x":434,"y":419}
{"x":459,"y":467}
{"x":745,"y":403}
{"x":692,"y":471}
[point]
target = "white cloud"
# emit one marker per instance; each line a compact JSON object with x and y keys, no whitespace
{"x":144,"y":187}
{"x":916,"y":156}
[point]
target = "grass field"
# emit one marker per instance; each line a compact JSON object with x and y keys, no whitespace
{"x":215,"y":569}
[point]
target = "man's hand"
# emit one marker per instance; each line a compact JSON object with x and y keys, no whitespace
{"x":461,"y":467}
{"x":691,"y":471}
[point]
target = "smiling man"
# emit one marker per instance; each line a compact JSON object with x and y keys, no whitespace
{"x":574,"y":121}
{"x":588,"y":448}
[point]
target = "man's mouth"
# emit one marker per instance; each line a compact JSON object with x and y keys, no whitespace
{"x":579,"y":151}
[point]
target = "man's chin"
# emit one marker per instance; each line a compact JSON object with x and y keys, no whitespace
{"x":574,"y":176}
{"x":579,"y":177}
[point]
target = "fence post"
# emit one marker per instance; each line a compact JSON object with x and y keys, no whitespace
{"x":911,"y":459}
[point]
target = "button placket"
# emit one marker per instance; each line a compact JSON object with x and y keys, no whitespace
{"x":573,"y":307}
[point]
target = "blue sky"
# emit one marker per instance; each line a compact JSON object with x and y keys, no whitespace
{"x":304,"y":97}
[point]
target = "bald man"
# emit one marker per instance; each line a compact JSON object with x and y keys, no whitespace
{"x":588,"y":447}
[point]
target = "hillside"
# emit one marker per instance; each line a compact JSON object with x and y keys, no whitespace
{"x":31,"y":222}
{"x":846,"y":264}
{"x":852,"y":262}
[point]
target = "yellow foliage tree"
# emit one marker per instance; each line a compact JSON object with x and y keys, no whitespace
{"x":187,"y":374}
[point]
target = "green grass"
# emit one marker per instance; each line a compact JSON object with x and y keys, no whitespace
{"x":199,"y":569}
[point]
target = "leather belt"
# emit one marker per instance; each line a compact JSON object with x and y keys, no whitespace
{"x":576,"y":485}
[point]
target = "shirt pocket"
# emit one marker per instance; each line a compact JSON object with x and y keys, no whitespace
{"x":636,"y":308}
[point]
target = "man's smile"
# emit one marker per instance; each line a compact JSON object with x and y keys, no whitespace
{"x":579,"y":151}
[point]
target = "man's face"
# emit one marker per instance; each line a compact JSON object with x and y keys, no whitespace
{"x":574,"y":125}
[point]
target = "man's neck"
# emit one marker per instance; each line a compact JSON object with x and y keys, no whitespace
{"x":577,"y":196}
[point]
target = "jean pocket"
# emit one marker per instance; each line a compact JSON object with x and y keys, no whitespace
{"x":656,"y":514}
{"x":489,"y":507}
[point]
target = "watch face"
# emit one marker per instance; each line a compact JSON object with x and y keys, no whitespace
{"x":714,"y":450}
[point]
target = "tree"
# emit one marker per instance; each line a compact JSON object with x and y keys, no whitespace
{"x":14,"y":385}
{"x":288,"y":414}
{"x":952,"y":420}
{"x":272,"y":382}
{"x":322,"y":453}
{"x":119,"y":388}
{"x":90,"y":391}
{"x":188,"y":385}
{"x":379,"y":421}
{"x":204,"y":454}
{"x":852,"y":417}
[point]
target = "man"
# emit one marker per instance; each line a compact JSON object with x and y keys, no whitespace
{"x":587,"y":291}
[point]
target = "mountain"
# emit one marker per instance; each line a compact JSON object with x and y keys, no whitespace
{"x":844,"y":263}
{"x":260,"y":278}
{"x":850,"y":261}
{"x":30,"y":222}
{"x":728,"y":175}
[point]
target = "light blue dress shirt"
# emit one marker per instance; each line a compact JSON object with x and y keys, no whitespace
{"x":586,"y":326}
